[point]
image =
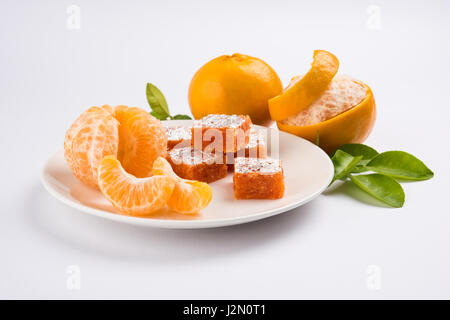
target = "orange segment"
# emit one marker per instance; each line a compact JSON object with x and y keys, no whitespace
{"x":141,"y":140}
{"x":300,"y":94}
{"x":189,"y":196}
{"x":91,"y":137}
{"x":131,"y":195}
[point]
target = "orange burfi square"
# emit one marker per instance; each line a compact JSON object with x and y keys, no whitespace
{"x":193,"y":164}
{"x":258,"y":178}
{"x":178,"y":137}
{"x":221,"y":133}
{"x":255,"y":148}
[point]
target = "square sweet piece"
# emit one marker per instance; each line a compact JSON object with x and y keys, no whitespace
{"x":192,"y":164}
{"x":258,"y":178}
{"x":221,"y":133}
{"x":255,"y":148}
{"x":178,"y":137}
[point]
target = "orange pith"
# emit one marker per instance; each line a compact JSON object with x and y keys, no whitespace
{"x":307,"y":89}
{"x":188,"y":196}
{"x":141,"y":140}
{"x":131,"y":195}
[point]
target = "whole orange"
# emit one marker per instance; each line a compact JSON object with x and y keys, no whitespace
{"x":236,"y":84}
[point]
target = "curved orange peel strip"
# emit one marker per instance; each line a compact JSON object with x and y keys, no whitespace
{"x":305,"y":91}
{"x":189,"y":196}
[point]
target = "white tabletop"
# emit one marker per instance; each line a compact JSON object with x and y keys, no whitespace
{"x":337,"y":246}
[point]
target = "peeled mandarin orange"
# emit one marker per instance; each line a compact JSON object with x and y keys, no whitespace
{"x":189,"y":196}
{"x":131,"y":195}
{"x":351,"y":126}
{"x":131,"y":134}
{"x":92,"y":136}
{"x":141,"y":140}
{"x":305,"y":90}
{"x":236,"y":84}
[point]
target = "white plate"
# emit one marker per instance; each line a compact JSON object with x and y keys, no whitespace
{"x":308,"y":171}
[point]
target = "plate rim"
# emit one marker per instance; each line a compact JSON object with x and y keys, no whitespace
{"x":184,"y":224}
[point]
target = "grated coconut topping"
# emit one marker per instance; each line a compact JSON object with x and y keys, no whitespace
{"x":246,"y":165}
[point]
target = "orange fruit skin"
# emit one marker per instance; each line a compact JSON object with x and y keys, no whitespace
{"x":93,"y":135}
{"x":351,"y":126}
{"x":307,"y":89}
{"x":142,"y":139}
{"x":131,"y":195}
{"x":236,"y":84}
{"x":189,"y":196}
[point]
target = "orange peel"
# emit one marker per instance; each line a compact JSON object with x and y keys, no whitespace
{"x":306,"y":90}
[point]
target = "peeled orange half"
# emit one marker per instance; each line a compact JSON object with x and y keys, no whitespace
{"x":323,"y":108}
{"x":131,"y":134}
{"x":188,"y":196}
{"x":131,"y":195}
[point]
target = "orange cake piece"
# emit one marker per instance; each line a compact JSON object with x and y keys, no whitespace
{"x":194,"y":164}
{"x":258,"y":178}
{"x":221,"y":133}
{"x":178,"y":137}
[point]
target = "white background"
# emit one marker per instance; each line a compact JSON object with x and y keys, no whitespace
{"x":49,"y":74}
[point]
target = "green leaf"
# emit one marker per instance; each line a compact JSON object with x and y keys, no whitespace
{"x":343,"y":164}
{"x":157,"y":102}
{"x":401,"y":165}
{"x":381,"y":187}
{"x":159,"y":116}
{"x":317,"y":142}
{"x":357,"y":149}
{"x":181,"y":117}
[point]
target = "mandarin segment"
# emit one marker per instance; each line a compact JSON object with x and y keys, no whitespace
{"x":141,"y":140}
{"x":189,"y":196}
{"x":131,"y":195}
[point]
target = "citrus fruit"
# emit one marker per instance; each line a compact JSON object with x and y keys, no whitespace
{"x":189,"y":196}
{"x":302,"y":91}
{"x":93,"y":135}
{"x":131,"y":134}
{"x":141,"y":140}
{"x":334,"y":119}
{"x":131,"y":195}
{"x":236,"y":84}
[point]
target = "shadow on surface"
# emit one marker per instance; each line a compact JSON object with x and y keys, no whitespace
{"x":350,"y":189}
{"x":115,"y":240}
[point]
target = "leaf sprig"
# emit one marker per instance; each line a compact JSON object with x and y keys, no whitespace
{"x":352,"y":160}
{"x":158,"y":104}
